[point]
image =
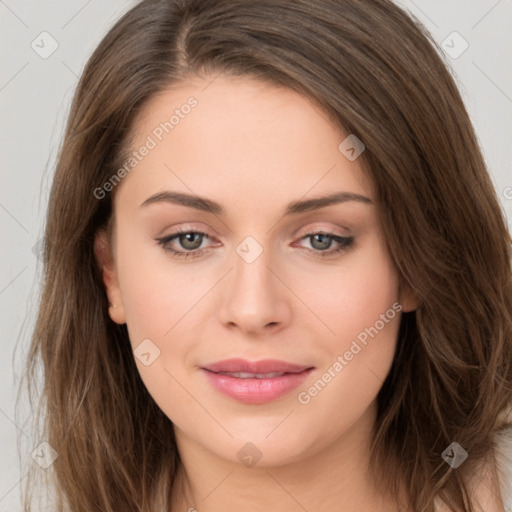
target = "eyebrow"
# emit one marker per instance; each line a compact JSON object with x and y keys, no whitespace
{"x":207,"y":205}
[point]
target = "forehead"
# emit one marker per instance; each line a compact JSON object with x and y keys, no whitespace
{"x":239,"y":138}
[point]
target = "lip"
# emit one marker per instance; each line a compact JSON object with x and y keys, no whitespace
{"x":263,"y":366}
{"x":255,"y":390}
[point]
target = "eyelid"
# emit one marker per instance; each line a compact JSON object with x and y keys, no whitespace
{"x":183,"y":228}
{"x":313,"y":229}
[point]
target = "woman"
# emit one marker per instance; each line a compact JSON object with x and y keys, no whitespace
{"x":277,"y":276}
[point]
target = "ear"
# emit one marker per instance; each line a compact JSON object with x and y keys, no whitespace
{"x":106,"y":263}
{"x":407,"y":298}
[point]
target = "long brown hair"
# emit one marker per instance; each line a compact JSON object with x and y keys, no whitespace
{"x":378,"y":74}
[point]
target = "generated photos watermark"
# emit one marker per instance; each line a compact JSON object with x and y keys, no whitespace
{"x":305,"y":397}
{"x":157,"y":135}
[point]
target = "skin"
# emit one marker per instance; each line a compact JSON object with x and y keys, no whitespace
{"x":254,"y":148}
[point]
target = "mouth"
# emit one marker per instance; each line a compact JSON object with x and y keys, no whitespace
{"x":247,"y":375}
{"x":255,"y":382}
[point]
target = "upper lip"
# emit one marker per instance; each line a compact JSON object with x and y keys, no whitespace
{"x":263,"y":366}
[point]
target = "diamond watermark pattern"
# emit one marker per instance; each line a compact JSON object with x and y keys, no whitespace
{"x":455,"y":45}
{"x":44,"y":455}
{"x":454,"y":455}
{"x":352,"y":147}
{"x":146,"y":352}
{"x":37,"y":249}
{"x":249,"y":249}
{"x":44,"y":45}
{"x":249,"y":455}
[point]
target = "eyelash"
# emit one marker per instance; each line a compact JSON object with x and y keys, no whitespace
{"x":345,"y":244}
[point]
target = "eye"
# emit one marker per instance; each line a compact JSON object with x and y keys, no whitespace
{"x":321,"y":243}
{"x":190,"y":241}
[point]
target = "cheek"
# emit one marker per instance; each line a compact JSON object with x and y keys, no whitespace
{"x":162,"y":304}
{"x":157,"y":299}
{"x":360,"y":304}
{"x":157,"y":294}
{"x":353,"y":295}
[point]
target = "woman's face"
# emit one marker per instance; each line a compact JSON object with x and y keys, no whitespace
{"x":276,"y":325}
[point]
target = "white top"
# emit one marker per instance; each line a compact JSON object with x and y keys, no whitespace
{"x":503,"y":454}
{"x":503,"y":458}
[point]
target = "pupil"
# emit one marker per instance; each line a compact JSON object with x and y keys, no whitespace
{"x":325,"y":241}
{"x":188,"y":242}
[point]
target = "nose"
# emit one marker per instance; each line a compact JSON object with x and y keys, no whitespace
{"x":254,"y":298}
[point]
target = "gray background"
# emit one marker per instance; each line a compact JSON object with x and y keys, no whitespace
{"x":35,"y":94}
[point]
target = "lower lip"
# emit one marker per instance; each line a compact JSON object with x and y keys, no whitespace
{"x":256,"y":391}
